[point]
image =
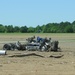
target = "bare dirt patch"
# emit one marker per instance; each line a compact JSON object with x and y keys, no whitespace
{"x":35,"y":64}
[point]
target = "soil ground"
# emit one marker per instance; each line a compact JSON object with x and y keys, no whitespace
{"x":35,"y":64}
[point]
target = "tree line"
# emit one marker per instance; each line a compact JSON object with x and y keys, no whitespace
{"x":62,"y":27}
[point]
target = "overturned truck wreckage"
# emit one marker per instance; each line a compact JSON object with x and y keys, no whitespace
{"x":33,"y":46}
{"x":14,"y":46}
{"x":54,"y":46}
{"x":39,"y":47}
{"x":43,"y":44}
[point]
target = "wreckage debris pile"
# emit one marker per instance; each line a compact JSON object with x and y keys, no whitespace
{"x":34,"y":44}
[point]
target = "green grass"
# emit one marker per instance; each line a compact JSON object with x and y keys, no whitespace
{"x":57,"y":35}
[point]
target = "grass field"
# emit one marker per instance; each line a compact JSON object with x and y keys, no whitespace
{"x":22,"y":36}
{"x":34,"y":65}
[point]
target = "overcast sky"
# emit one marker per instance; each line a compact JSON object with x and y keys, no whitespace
{"x":36,"y":12}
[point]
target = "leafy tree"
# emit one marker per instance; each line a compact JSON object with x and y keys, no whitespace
{"x":48,"y":28}
{"x":54,"y":27}
{"x":16,"y":29}
{"x":38,"y":29}
{"x":31,"y":30}
{"x":43,"y":28}
{"x":23,"y":29}
{"x":68,"y":29}
{"x":62,"y":27}
{"x":73,"y":26}
{"x":1,"y":25}
{"x":2,"y":28}
{"x":9,"y":29}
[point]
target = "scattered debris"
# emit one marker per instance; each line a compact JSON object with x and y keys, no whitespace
{"x":36,"y":44}
{"x":2,"y":52}
{"x":56,"y":56}
{"x":34,"y":54}
{"x":23,"y":55}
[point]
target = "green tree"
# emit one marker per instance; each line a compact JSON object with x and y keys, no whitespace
{"x":48,"y":28}
{"x":54,"y":27}
{"x":73,"y":26}
{"x":31,"y":30}
{"x":2,"y":28}
{"x":16,"y":29}
{"x":9,"y":29}
{"x":68,"y":29}
{"x":23,"y":29}
{"x":43,"y":28}
{"x":38,"y":29}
